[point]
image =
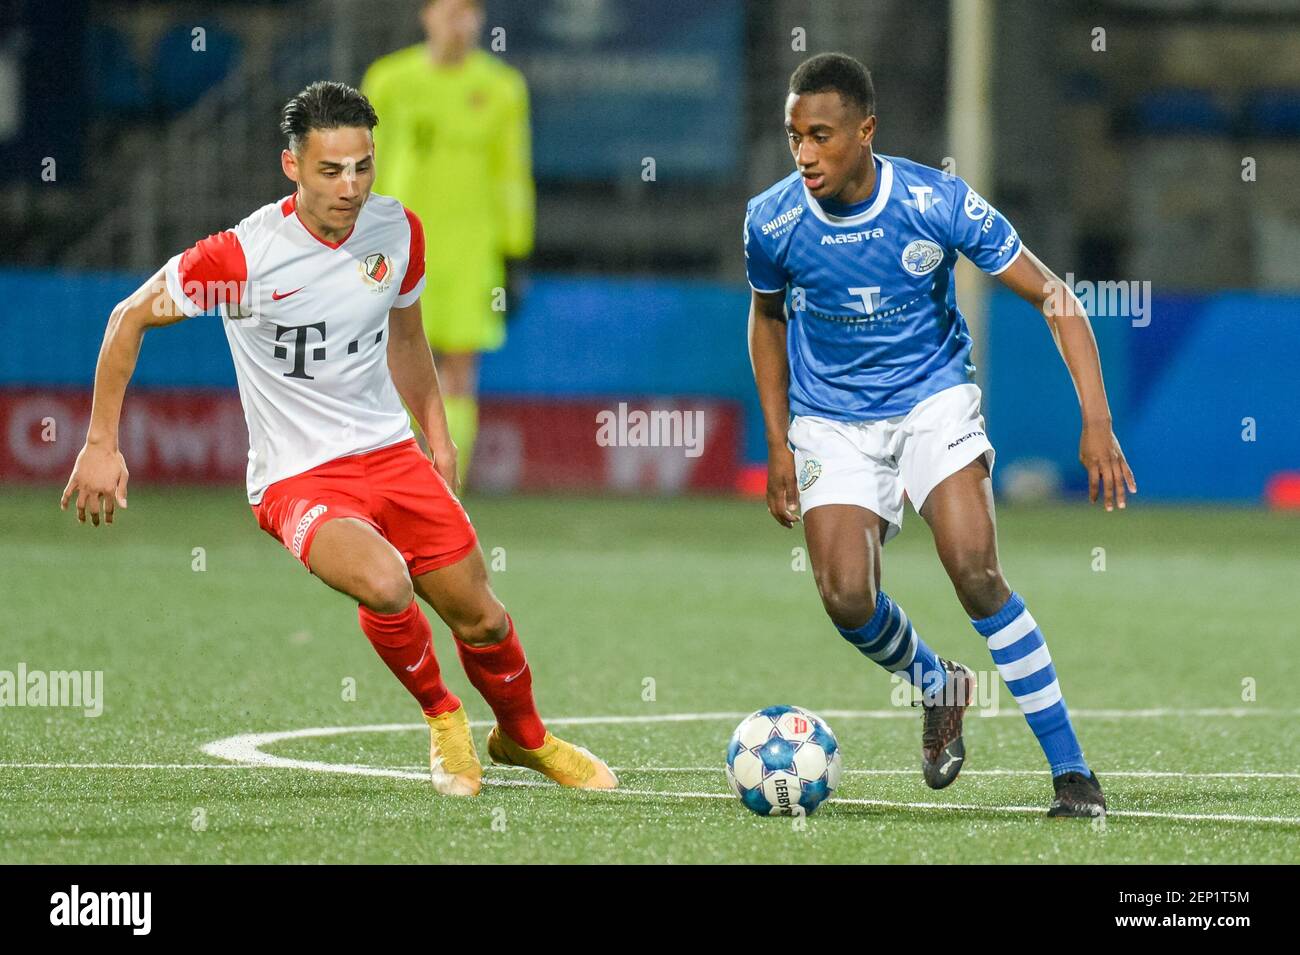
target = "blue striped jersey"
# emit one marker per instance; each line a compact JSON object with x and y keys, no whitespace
{"x":874,"y":326}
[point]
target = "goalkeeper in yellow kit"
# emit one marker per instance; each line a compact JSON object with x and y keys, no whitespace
{"x":453,"y":145}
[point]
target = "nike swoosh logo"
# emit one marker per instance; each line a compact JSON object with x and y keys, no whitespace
{"x":415,"y":666}
{"x":515,"y":676}
{"x":276,"y":296}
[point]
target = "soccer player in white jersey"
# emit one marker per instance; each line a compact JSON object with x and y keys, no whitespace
{"x":866,"y":386}
{"x":319,"y":296}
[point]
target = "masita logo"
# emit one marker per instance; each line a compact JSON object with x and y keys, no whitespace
{"x":784,"y":219}
{"x":103,"y":908}
{"x":843,"y":238}
{"x":965,"y":437}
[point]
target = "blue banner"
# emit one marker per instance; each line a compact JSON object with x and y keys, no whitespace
{"x":1203,"y":394}
{"x":614,"y":83}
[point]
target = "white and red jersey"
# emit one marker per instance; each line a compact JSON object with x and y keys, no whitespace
{"x":307,"y":322}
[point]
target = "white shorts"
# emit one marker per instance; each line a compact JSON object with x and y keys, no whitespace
{"x":871,"y":463}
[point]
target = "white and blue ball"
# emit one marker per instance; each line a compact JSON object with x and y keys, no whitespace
{"x":783,"y":761}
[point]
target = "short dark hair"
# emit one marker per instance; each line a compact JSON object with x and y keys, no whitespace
{"x":836,"y":72}
{"x":325,"y":104}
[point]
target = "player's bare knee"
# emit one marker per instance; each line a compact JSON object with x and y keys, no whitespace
{"x":849,"y":605}
{"x":979,"y":584}
{"x":387,"y":591}
{"x":485,"y":628}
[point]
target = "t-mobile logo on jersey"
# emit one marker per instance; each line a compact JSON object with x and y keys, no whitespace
{"x":300,"y":333}
{"x":300,"y":340}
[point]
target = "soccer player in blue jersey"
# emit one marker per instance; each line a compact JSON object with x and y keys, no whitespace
{"x":862,"y":362}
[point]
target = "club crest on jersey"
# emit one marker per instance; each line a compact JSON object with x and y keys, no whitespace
{"x":922,"y":256}
{"x":810,"y":472}
{"x":377,"y":271}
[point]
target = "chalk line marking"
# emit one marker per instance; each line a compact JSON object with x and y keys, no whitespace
{"x":246,"y":749}
{"x":1128,"y":774}
{"x":126,"y":766}
{"x":418,"y":771}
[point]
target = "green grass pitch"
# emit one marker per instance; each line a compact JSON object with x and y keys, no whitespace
{"x":1178,"y":660}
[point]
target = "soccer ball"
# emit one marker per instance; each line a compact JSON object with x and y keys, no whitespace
{"x":783,"y":761}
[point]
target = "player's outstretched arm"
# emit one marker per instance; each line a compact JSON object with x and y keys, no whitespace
{"x":99,"y":476}
{"x":1099,"y":450}
{"x":767,"y":355}
{"x":411,"y":364}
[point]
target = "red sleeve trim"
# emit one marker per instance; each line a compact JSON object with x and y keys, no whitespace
{"x":213,"y":271}
{"x":415,"y":260}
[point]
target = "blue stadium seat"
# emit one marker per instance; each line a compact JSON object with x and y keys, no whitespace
{"x":301,"y":63}
{"x":1083,"y":86}
{"x":1272,"y":113}
{"x":181,"y":75}
{"x":1175,"y":111}
{"x":113,"y":78}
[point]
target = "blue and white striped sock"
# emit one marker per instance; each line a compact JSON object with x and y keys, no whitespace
{"x":1021,"y":655}
{"x":890,"y":639}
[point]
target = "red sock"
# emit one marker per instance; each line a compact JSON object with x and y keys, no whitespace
{"x":500,"y":672}
{"x":405,"y":642}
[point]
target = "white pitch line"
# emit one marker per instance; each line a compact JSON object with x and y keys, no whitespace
{"x":969,"y":807}
{"x":1134,"y":774}
{"x":246,"y":748}
{"x":422,"y":776}
{"x":127,"y":766}
{"x":975,"y":807}
{"x":907,"y":713}
{"x":1038,"y":810}
{"x":1127,"y":774}
{"x":417,"y":772}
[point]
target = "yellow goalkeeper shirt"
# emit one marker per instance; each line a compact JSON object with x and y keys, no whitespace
{"x":453,"y":145}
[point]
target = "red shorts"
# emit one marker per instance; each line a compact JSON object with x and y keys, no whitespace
{"x":396,"y":490}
